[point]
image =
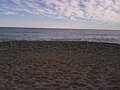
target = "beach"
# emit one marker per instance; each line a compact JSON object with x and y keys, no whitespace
{"x":59,"y":65}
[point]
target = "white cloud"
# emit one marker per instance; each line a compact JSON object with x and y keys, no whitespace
{"x":105,"y":10}
{"x":10,"y":13}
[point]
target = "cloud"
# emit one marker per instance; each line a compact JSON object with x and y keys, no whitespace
{"x":10,"y":13}
{"x":105,"y":10}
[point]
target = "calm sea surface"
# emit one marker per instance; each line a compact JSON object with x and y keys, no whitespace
{"x":111,"y":36}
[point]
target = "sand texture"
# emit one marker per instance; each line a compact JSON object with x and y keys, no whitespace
{"x":59,"y":65}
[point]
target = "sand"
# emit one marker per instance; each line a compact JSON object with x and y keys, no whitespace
{"x":59,"y":65}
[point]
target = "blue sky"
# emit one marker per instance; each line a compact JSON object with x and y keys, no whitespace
{"x":87,"y":14}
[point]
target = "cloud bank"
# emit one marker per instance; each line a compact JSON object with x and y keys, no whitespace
{"x":104,"y":10}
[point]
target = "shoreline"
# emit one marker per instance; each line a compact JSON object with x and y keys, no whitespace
{"x":56,"y":40}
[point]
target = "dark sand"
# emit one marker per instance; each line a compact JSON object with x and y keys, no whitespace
{"x":55,"y":65}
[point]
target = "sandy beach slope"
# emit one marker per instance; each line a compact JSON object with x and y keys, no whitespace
{"x":59,"y":65}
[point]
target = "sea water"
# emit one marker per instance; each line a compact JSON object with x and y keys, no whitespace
{"x":32,"y":34}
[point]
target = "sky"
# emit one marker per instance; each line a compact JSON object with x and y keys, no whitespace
{"x":78,"y":14}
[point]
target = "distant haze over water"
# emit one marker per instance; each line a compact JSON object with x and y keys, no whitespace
{"x":110,"y":36}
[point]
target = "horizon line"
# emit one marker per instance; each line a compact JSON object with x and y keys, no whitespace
{"x":52,"y":28}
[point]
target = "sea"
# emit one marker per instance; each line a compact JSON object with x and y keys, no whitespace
{"x":46,"y":34}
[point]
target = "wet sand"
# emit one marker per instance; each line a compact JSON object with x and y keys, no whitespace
{"x":59,"y":65}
